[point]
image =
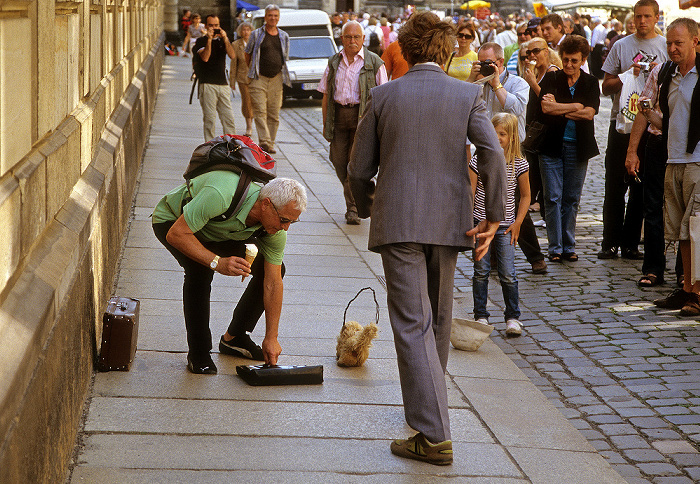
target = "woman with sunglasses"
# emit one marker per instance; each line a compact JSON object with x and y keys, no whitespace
{"x":535,"y":60}
{"x":570,"y":99}
{"x":459,"y":65}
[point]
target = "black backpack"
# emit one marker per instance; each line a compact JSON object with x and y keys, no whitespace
{"x":373,"y":42}
{"x":232,"y":153}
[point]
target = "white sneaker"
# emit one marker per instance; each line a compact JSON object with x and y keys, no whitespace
{"x":540,"y":223}
{"x":513,"y":327}
{"x":482,"y":321}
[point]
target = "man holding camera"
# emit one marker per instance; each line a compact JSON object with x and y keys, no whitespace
{"x":623,"y":230}
{"x":209,"y":58}
{"x":507,"y":93}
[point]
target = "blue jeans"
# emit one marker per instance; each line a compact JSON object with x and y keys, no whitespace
{"x":562,"y":180}
{"x":505,"y":257}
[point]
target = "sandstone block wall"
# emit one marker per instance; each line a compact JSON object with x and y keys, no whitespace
{"x":78,"y":81}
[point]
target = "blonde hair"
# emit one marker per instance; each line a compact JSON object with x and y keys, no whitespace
{"x":509,"y":122}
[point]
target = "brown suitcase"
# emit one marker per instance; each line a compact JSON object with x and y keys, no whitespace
{"x":120,"y":328}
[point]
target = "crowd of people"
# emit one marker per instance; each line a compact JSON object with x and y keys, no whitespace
{"x":500,"y":124}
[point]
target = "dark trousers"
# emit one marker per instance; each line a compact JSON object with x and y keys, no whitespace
{"x":196,"y":291}
{"x":344,"y":127}
{"x":535,"y":177}
{"x":620,"y":228}
{"x":528,"y":236}
{"x":654,"y":168}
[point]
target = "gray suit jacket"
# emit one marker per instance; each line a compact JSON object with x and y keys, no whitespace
{"x":413,"y":137}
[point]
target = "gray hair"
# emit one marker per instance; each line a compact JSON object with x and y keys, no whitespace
{"x":270,"y":7}
{"x":352,"y":22}
{"x":282,"y":191}
{"x":243,"y":25}
{"x":497,"y":49}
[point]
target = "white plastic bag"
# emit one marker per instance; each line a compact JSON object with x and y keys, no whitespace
{"x":632,"y":87}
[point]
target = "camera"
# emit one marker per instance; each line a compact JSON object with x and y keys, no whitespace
{"x":217,"y":31}
{"x":645,"y":103}
{"x":487,"y":67}
{"x":644,"y":66}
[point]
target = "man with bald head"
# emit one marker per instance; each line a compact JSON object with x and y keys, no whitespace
{"x":345,"y":85}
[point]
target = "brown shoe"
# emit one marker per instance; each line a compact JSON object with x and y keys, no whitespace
{"x":351,"y":218}
{"x":418,"y":448}
{"x":692,"y":307}
{"x":539,"y":267}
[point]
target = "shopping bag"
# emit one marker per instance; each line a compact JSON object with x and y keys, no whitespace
{"x":632,"y":87}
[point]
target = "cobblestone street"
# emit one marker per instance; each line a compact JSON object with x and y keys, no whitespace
{"x":624,"y":372}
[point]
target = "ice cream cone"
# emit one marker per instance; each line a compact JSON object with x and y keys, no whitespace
{"x":251,"y":251}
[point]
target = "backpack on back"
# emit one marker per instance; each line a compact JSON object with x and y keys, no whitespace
{"x":373,"y":42}
{"x":231,"y":153}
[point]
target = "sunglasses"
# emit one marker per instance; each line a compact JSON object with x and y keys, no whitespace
{"x":523,"y":33}
{"x":465,"y":36}
{"x":535,"y":51}
{"x":523,"y":58}
{"x":283,"y":220}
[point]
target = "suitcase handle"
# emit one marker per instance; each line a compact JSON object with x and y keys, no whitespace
{"x":374,"y":295}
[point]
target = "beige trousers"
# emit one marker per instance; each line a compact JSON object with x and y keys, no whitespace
{"x":216,"y":98}
{"x":266,"y":95}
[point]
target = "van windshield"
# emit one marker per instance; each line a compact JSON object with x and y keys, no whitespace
{"x":310,"y":47}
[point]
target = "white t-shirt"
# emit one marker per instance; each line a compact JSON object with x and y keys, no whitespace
{"x":621,"y":58}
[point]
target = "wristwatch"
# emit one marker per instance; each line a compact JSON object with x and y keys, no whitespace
{"x":214,"y":262}
{"x":497,"y":87}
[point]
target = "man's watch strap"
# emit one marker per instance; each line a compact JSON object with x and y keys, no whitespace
{"x":214,"y":262}
{"x":497,"y":87}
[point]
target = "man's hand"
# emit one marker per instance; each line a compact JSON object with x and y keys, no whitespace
{"x":233,"y":266}
{"x":476,"y":70}
{"x":632,"y":163}
{"x":271,"y":350}
{"x":484,"y":233}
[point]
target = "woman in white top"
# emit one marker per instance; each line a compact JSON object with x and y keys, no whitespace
{"x":194,"y":31}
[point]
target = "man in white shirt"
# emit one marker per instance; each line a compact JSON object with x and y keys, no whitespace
{"x":597,"y":44}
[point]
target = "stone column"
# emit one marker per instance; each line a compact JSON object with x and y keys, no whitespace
{"x":171,"y":19}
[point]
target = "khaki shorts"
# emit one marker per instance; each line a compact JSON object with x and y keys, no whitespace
{"x":681,"y":198}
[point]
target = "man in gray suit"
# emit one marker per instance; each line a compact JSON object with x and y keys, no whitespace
{"x":417,"y":128}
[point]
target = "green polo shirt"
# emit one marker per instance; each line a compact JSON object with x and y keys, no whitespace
{"x":212,"y":194}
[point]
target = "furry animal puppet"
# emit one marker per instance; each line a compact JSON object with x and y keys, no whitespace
{"x":354,"y":343}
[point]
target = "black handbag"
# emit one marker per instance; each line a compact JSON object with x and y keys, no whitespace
{"x":259,"y":375}
{"x":534,"y":136}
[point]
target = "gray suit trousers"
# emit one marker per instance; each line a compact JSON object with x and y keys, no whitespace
{"x":420,"y":291}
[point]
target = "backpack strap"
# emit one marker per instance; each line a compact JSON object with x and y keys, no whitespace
{"x":238,"y":197}
{"x":665,"y":70}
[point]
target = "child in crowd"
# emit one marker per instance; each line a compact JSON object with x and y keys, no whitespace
{"x":505,"y":239}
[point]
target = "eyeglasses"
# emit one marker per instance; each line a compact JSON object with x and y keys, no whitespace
{"x":523,"y":33}
{"x":535,"y":51}
{"x":523,"y":57}
{"x":352,"y":37}
{"x":283,"y":220}
{"x":465,"y":36}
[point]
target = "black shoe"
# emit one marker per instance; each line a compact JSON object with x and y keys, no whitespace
{"x":632,"y":254}
{"x":241,"y":346}
{"x":610,"y":253}
{"x":676,"y":300}
{"x":201,"y":365}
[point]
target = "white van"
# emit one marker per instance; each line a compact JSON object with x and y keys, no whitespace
{"x":310,"y":45}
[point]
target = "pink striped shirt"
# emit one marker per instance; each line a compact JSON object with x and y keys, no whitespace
{"x":347,"y":85}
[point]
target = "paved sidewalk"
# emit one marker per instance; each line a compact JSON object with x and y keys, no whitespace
{"x":159,"y":423}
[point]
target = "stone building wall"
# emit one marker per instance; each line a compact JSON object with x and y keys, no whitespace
{"x":78,"y":80}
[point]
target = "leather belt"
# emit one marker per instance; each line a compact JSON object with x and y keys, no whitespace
{"x":349,"y":106}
